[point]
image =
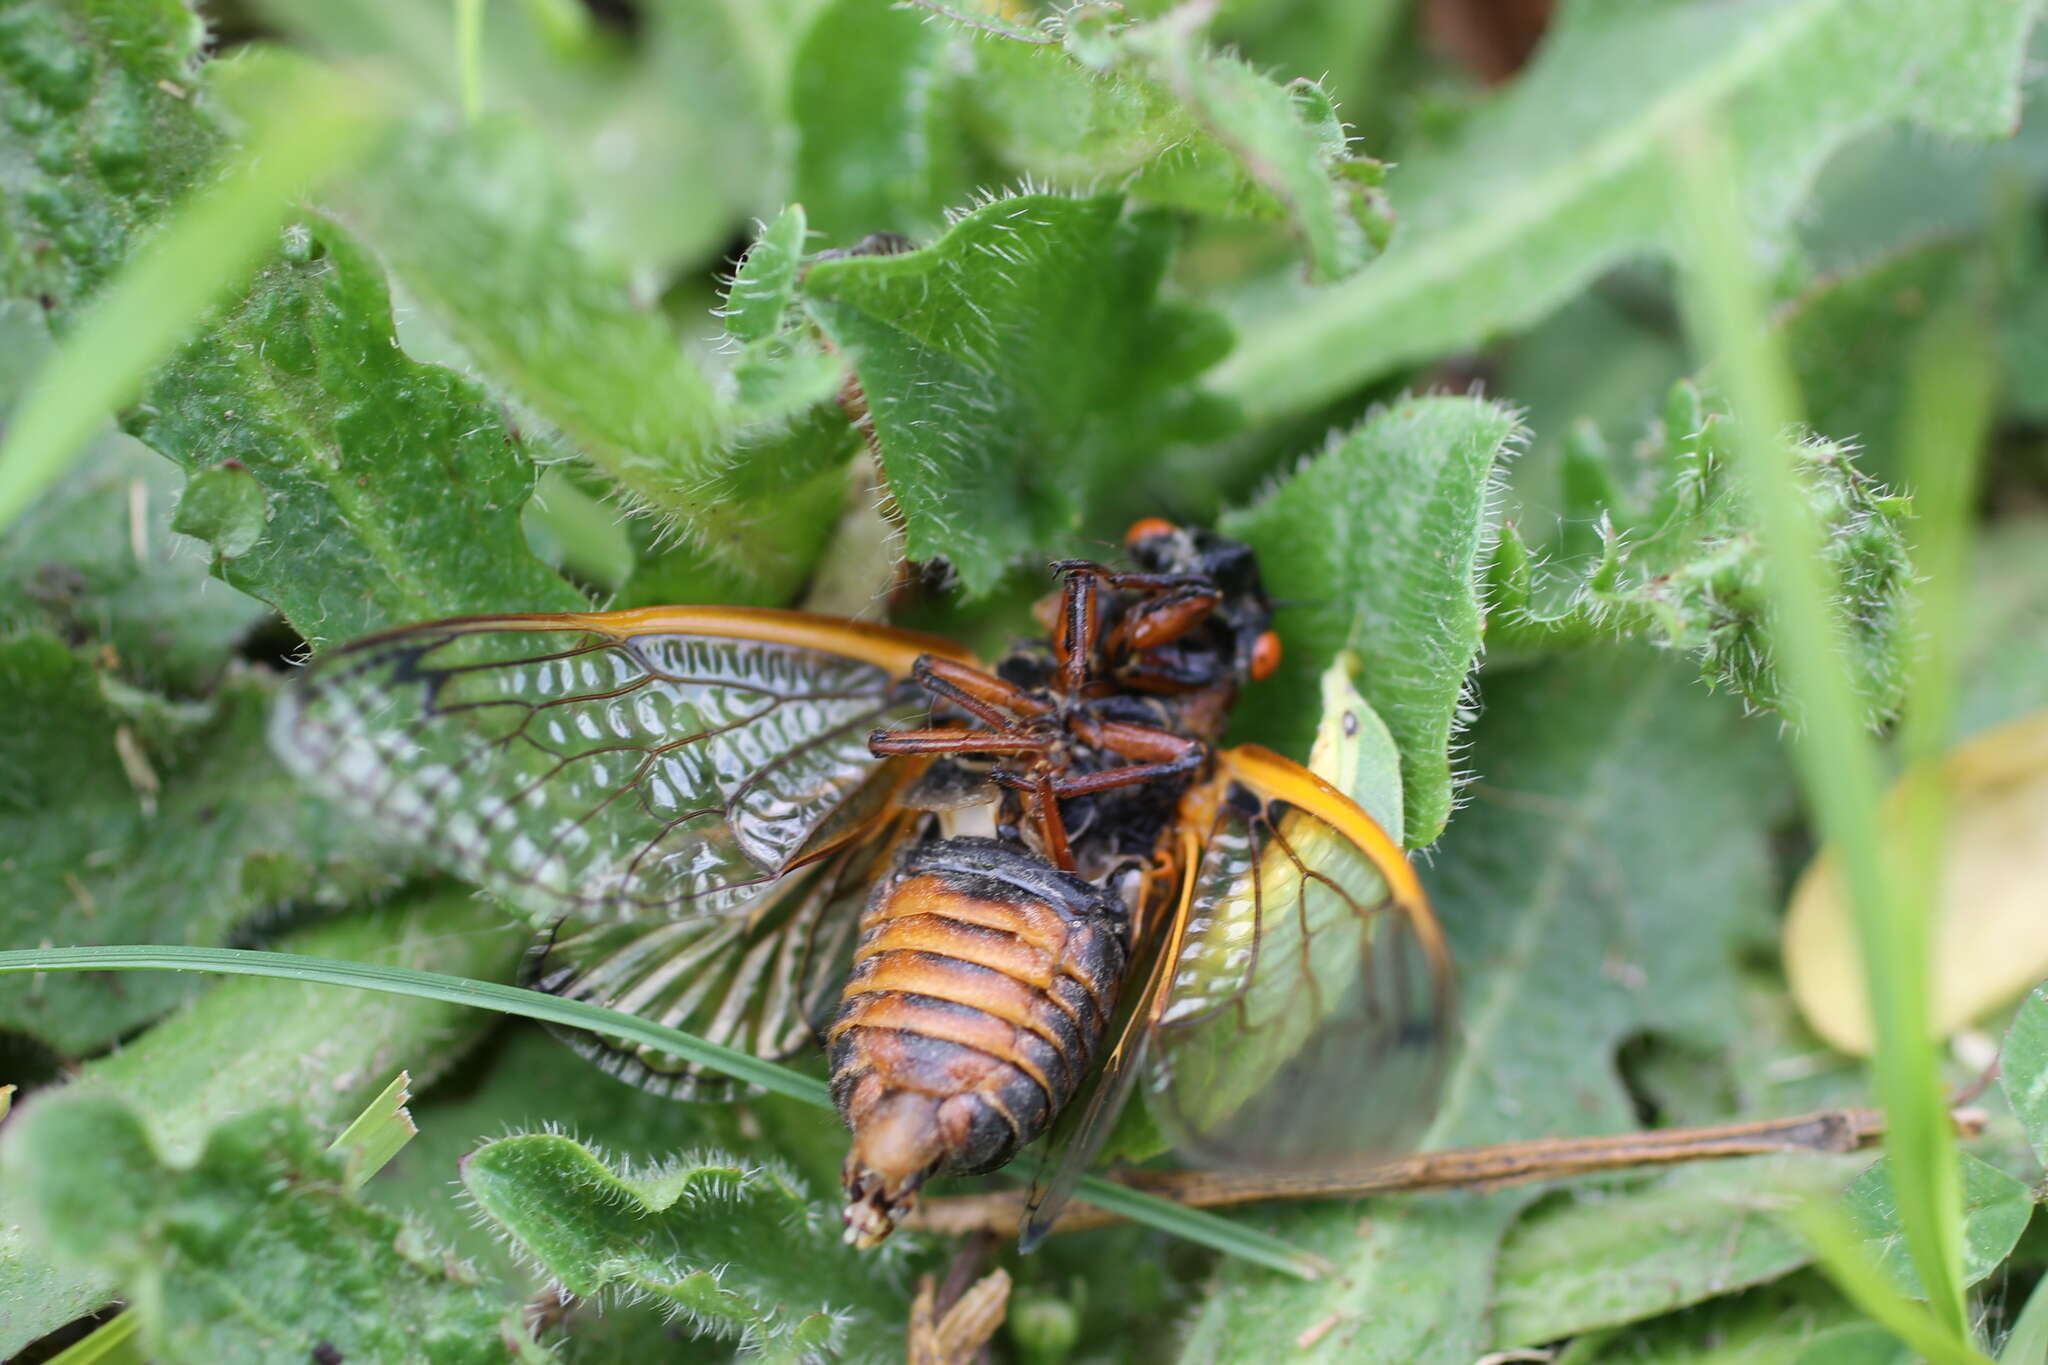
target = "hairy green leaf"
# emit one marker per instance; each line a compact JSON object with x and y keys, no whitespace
{"x":1603,"y":1257}
{"x":126,"y":821}
{"x":1996,"y":1208}
{"x":870,"y":145}
{"x":1025,"y":356}
{"x":1152,"y":106}
{"x":251,"y":1250}
{"x":482,"y":229}
{"x":98,"y":559}
{"x":251,"y":1044}
{"x":1851,"y":338}
{"x":1800,"y":1320}
{"x":738,"y":1250}
{"x":1565,"y":174}
{"x":300,"y":381}
{"x":1373,"y":546}
{"x":1587,"y":898}
{"x":671,"y":140}
{"x":2023,"y":1069}
{"x":536,"y":1082}
{"x":393,"y":488}
{"x":2003,"y":672}
{"x":1680,"y":564}
{"x":757,"y":302}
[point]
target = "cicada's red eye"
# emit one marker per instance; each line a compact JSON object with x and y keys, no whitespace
{"x":1265,"y":655}
{"x":1145,"y":528}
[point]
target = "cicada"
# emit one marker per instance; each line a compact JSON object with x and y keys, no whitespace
{"x":1000,"y":898}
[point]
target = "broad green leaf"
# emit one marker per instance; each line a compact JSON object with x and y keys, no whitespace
{"x":250,"y":1044}
{"x":1851,"y":338}
{"x":1688,"y":571}
{"x":737,"y":1250}
{"x":393,"y":489}
{"x":672,"y":139}
{"x":254,"y":1244}
{"x":1996,"y":1208}
{"x":481,"y":228}
{"x":1347,"y":42}
{"x":2023,"y":1070}
{"x":295,"y":136}
{"x":861,"y":92}
{"x":2003,"y":673}
{"x":1373,"y":547}
{"x":1014,"y":368}
{"x":534,"y":1081}
{"x":97,"y":560}
{"x":1287,"y":140}
{"x":1604,"y":1257}
{"x":1152,"y":106}
{"x":1588,"y":898}
{"x":1564,"y":176}
{"x":128,"y":822}
{"x":1777,"y":1324}
{"x":1855,"y":1344}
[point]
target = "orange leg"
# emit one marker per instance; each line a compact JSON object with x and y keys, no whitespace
{"x":1166,"y":618}
{"x":958,"y":741}
{"x":1161,"y":754}
{"x":1076,"y":650}
{"x":982,"y":695}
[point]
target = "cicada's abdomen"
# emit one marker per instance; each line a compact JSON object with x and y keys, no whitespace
{"x":980,"y":992}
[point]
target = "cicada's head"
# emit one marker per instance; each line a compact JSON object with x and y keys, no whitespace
{"x":1241,"y":626}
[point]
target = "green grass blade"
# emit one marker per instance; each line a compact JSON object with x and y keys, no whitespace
{"x":209,"y":247}
{"x":1837,"y":762}
{"x":1842,"y":1255}
{"x":113,"y":1342}
{"x":1195,"y":1225}
{"x":469,"y":65}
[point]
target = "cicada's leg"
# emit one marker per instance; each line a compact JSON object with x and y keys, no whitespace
{"x":1041,"y":793}
{"x":1165,"y":618}
{"x":959,"y":741}
{"x":987,"y":698}
{"x":1076,"y":648}
{"x":1159,"y":753}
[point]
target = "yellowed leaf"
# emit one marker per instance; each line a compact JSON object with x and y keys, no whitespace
{"x":1991,"y":920}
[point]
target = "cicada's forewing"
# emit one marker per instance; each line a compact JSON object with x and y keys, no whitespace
{"x":1079,"y":1134}
{"x":763,"y":982}
{"x":641,"y":767}
{"x":1306,"y":1018}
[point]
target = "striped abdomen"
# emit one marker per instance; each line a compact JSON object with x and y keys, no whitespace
{"x":980,"y":993}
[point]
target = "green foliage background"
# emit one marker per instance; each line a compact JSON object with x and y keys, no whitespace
{"x":543,"y":324}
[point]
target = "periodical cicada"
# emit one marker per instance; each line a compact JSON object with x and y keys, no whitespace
{"x":1001,"y":898}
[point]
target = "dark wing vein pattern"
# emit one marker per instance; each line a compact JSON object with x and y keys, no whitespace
{"x":762,"y":982}
{"x":625,"y":777}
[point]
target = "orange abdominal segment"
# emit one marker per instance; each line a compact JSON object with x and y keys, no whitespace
{"x":979,"y":996}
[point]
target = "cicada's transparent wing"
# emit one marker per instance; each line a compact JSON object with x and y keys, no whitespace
{"x":762,"y":982}
{"x":644,"y":766}
{"x":1078,"y":1135}
{"x":1307,"y":1016}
